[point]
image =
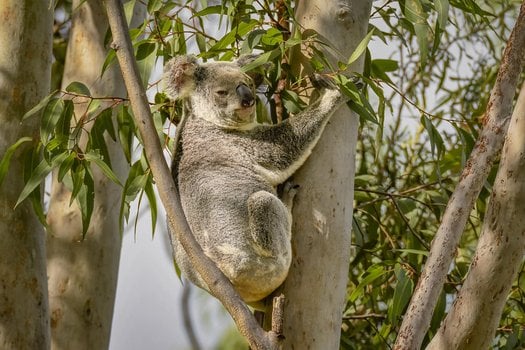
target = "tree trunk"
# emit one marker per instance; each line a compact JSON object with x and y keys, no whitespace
{"x":83,"y":273}
{"x":315,"y":289}
{"x":476,"y":312}
{"x":25,"y":75}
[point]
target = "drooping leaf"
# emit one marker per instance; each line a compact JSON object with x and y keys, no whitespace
{"x":442,"y":7}
{"x":95,"y":157}
{"x":39,"y":106}
{"x":126,"y":131}
{"x":402,"y":294}
{"x":150,"y":193}
{"x":436,"y":141}
{"x":86,"y":200}
{"x":6,"y":159}
{"x":50,"y":117}
{"x":361,"y":47}
{"x":66,"y":165}
{"x":37,"y":177}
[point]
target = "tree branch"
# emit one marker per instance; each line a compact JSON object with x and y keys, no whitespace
{"x":499,"y":108}
{"x":475,"y":315}
{"x":218,"y":284}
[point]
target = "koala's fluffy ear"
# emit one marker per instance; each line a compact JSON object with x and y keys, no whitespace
{"x":256,"y":74}
{"x":178,"y":78}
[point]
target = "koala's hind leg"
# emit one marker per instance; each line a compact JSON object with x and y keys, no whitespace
{"x":270,"y":224}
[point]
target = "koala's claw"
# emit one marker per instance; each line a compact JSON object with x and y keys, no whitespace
{"x":289,"y":192}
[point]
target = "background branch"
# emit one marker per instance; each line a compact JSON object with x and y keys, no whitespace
{"x":497,"y":116}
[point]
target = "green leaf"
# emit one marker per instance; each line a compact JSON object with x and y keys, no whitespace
{"x":210,"y":10}
{"x":291,"y":101}
{"x":154,"y":5}
{"x":110,"y":58}
{"x":66,"y":165}
{"x":38,"y":175}
{"x":39,"y":106}
{"x":135,"y":182}
{"x":94,"y":157}
{"x":436,"y":141}
{"x":422,"y":31}
{"x":372,"y":273}
{"x":50,"y":118}
{"x":146,"y":65}
{"x":78,"y":88}
{"x":238,"y":32}
{"x":86,"y":200}
{"x":402,"y":294}
{"x":6,"y":159}
{"x":97,"y":141}
{"x":260,"y":60}
{"x":129,"y":7}
{"x":380,"y":67}
{"x":77,"y":179}
{"x":360,"y":48}
{"x":63,"y":126}
{"x":150,"y":193}
{"x":272,"y":37}
{"x":201,"y":42}
{"x":126,"y":131}
{"x":442,"y":7}
{"x":145,"y":49}
{"x":439,"y":311}
{"x":414,"y":11}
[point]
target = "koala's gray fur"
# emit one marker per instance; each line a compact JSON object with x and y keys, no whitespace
{"x":227,"y":170}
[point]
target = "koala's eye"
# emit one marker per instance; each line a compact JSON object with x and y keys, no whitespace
{"x":221,"y":92}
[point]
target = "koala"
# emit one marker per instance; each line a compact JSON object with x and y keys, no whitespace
{"x":228,"y":167}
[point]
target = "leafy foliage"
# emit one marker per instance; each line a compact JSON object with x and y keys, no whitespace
{"x":421,"y":102}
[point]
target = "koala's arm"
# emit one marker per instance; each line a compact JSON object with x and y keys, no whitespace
{"x":281,"y":149}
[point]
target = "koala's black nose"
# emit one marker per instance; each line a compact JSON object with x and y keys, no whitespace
{"x":246,"y":95}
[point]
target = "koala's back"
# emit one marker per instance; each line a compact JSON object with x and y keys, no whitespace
{"x":216,"y":175}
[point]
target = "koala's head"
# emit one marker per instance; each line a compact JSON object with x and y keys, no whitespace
{"x":219,"y":92}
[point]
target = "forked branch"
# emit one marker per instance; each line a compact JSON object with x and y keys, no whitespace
{"x":488,"y":146}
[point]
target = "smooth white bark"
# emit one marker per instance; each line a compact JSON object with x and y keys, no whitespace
{"x":315,"y":289}
{"x":419,"y":313}
{"x":472,"y":321}
{"x":83,"y":273}
{"x":25,"y":72}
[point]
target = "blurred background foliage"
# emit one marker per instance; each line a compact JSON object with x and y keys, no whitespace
{"x":430,"y":66}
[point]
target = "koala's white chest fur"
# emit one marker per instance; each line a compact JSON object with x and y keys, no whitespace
{"x":228,"y":169}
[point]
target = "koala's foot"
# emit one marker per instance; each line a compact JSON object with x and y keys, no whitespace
{"x":288,"y":194}
{"x":269,"y":223}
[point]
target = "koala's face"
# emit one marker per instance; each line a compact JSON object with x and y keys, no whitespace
{"x":223,"y":95}
{"x":219,"y":92}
